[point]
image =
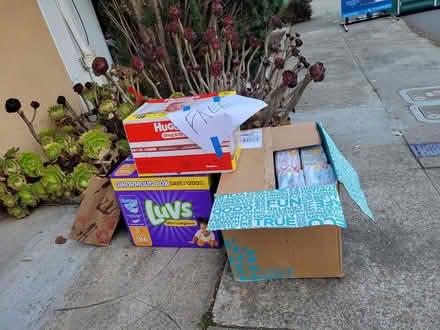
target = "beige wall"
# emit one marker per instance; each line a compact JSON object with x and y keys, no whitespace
{"x":31,"y":69}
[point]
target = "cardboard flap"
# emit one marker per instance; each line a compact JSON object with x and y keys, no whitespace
{"x":345,"y":173}
{"x":283,"y":208}
{"x":295,"y":136}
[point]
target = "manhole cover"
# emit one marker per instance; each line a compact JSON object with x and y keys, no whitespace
{"x":426,"y":149}
{"x":421,"y":95}
{"x":426,"y":113}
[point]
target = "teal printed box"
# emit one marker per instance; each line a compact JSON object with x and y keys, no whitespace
{"x":274,"y":233}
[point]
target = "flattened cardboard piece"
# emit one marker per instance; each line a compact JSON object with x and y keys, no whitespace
{"x":293,"y":253}
{"x":98,"y":215}
{"x":345,"y":173}
{"x":283,"y":208}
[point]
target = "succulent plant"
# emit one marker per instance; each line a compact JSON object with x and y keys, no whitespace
{"x":11,"y":167}
{"x":124,"y":110}
{"x":96,"y":144}
{"x":50,"y":132}
{"x":26,"y":196}
{"x":39,"y":191}
{"x":68,"y":129}
{"x":52,"y":181}
{"x":106,"y":107}
{"x":18,"y":212}
{"x":9,"y":200}
{"x":88,"y":94}
{"x":105,"y":92}
{"x":53,"y":150}
{"x":81,"y":176}
{"x":31,"y":164}
{"x":56,"y":112}
{"x":3,"y":189}
{"x":16,"y":181}
{"x":46,"y":140}
{"x":123,"y":148}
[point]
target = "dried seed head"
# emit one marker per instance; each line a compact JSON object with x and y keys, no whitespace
{"x":217,"y":8}
{"x":279,"y":63}
{"x":210,"y":35}
{"x":173,"y":27}
{"x":276,"y":22}
{"x":216,"y":69}
{"x":137,"y":63}
{"x":174,"y":12}
{"x":61,"y":100}
{"x":189,"y":34}
{"x":12,"y":105}
{"x":160,"y":52}
{"x":89,"y":85}
{"x":99,"y":66}
{"x":35,"y":105}
{"x":227,"y":21}
{"x":317,"y":72}
{"x":78,"y":88}
{"x":290,"y":79}
{"x":298,"y":42}
{"x":215,"y":44}
{"x":254,"y":42}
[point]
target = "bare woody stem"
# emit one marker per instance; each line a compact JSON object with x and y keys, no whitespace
{"x":114,"y":82}
{"x":34,"y":116}
{"x":182,"y":65}
{"x":30,"y":126}
{"x":299,"y":91}
{"x":75,"y":116}
{"x":151,"y":83}
{"x":167,"y":76}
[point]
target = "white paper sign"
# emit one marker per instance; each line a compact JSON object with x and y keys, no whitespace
{"x":251,"y":139}
{"x":208,"y":122}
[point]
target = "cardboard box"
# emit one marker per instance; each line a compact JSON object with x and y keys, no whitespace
{"x":165,"y":211}
{"x":160,"y":148}
{"x":285,"y":233}
{"x":98,"y":215}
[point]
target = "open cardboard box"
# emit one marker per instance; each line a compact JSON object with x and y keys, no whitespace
{"x":274,"y":233}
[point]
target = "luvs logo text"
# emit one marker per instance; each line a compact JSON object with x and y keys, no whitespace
{"x":169,"y":211}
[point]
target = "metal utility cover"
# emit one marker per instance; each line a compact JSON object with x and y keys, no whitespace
{"x":426,"y":113}
{"x":425,"y":95}
{"x":426,"y":149}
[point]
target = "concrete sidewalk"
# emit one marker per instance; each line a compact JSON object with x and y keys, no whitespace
{"x":391,"y":268}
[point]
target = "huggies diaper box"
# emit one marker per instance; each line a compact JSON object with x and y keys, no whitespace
{"x":190,"y":135}
{"x":170,"y":211}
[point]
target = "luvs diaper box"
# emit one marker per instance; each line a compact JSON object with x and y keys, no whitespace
{"x":170,"y":211}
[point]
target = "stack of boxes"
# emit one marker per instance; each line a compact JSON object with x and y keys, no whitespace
{"x":165,"y":188}
{"x":279,"y":210}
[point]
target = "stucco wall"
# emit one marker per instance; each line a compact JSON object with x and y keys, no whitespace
{"x":31,"y":69}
